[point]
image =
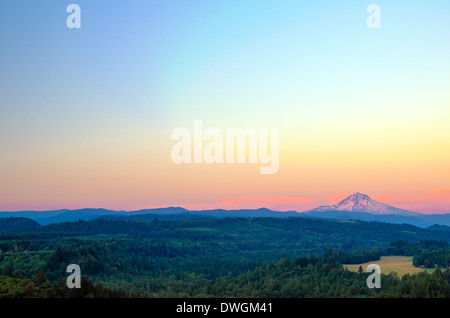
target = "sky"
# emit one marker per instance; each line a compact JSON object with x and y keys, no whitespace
{"x":86,"y":115}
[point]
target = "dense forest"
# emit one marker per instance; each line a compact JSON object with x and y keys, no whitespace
{"x":428,"y":254}
{"x":307,"y":277}
{"x":260,"y":257}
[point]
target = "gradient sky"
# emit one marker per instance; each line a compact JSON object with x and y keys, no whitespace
{"x":86,"y":115}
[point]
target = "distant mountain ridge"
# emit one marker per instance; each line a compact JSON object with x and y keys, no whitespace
{"x":355,"y":207}
{"x":161,"y":217}
{"x":169,"y":213}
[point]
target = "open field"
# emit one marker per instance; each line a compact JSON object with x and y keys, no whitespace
{"x":400,"y":264}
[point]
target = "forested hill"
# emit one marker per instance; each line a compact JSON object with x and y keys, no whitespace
{"x":12,"y":224}
{"x":214,"y":257}
{"x":256,"y":233}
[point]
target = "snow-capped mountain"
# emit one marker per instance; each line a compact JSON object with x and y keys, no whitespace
{"x":358,"y":202}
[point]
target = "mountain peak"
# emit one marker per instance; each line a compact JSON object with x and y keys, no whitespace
{"x":358,"y":202}
{"x":359,"y":195}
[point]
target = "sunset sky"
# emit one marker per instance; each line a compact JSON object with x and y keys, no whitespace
{"x":86,"y":115}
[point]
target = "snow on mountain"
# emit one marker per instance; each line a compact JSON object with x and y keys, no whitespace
{"x":358,"y":202}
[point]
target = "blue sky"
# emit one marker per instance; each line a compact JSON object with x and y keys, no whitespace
{"x":72,"y":99}
{"x":149,"y":54}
